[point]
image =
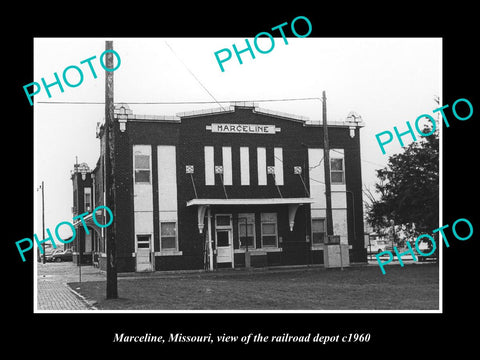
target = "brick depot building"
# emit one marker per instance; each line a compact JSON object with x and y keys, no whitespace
{"x":202,"y":189}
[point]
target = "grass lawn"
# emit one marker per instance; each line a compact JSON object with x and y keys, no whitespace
{"x":413,"y":287}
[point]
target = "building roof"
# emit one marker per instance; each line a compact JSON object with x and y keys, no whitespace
{"x":123,"y":113}
{"x":243,"y":105}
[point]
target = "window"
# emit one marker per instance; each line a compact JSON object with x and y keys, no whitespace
{"x":143,"y":241}
{"x":88,"y":199}
{"x":246,"y":230}
{"x":269,"y":229}
{"x":223,"y":238}
{"x":168,"y":236}
{"x":142,"y":168}
{"x":318,"y":231}
{"x":75,"y":196}
{"x":336,"y":170}
{"x":222,"y":221}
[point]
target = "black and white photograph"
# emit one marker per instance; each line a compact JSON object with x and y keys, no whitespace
{"x":246,"y":188}
{"x":214,"y":181}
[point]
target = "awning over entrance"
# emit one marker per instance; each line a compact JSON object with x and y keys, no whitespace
{"x":293,"y":204}
{"x":271,"y":201}
{"x":90,"y":223}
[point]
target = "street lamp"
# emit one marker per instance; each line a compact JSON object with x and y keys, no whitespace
{"x":43,"y":218}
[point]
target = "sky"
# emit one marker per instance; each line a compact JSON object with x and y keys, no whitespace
{"x":388,"y":81}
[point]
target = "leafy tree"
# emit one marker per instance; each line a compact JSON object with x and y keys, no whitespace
{"x":409,"y":189}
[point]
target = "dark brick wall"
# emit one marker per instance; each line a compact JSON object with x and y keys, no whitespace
{"x":190,"y":137}
{"x":194,"y":136}
{"x":123,"y":195}
{"x":353,"y":175}
{"x":144,"y":133}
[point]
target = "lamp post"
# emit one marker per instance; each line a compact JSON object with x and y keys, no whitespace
{"x":43,"y":217}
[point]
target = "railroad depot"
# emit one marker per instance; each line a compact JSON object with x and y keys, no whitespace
{"x":228,"y":187}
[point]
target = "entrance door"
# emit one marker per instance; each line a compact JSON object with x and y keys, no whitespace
{"x":224,"y":246}
{"x":144,"y":254}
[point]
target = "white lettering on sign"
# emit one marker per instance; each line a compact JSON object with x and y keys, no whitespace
{"x":243,"y":128}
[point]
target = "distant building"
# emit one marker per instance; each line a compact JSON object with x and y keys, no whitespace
{"x":83,"y":244}
{"x":248,"y":179}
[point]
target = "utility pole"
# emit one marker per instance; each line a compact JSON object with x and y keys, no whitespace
{"x":79,"y":244}
{"x":109,"y":159}
{"x":328,"y":188}
{"x":326,"y":162}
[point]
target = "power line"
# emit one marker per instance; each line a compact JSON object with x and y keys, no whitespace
{"x":315,"y":166}
{"x":373,"y":163}
{"x":71,"y":102}
{"x":209,"y":93}
{"x":318,"y":181}
{"x":173,"y":102}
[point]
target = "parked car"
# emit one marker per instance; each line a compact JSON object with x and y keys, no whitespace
{"x":426,"y":248}
{"x":48,"y":255}
{"x":60,"y":255}
{"x":377,"y":246}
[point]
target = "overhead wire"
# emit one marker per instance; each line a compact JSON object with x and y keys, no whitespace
{"x":191,"y":72}
{"x":173,"y":102}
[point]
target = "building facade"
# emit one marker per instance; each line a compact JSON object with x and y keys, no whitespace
{"x":89,"y":244}
{"x":224,"y":188}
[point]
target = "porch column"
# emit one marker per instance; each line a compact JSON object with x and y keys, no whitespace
{"x":210,"y":250}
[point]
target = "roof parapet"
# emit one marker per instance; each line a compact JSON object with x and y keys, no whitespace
{"x":123,"y":113}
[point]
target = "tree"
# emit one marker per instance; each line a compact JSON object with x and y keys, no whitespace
{"x":409,"y":189}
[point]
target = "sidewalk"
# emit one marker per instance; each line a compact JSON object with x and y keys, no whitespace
{"x":53,"y":293}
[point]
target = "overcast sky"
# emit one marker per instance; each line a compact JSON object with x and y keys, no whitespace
{"x":388,"y":81}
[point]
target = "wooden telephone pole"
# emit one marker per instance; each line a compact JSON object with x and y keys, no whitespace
{"x":326,"y":162}
{"x":328,"y":187}
{"x":109,"y":159}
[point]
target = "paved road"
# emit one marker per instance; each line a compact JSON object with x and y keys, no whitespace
{"x":53,"y":293}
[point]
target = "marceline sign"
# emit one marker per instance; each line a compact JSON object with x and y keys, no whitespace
{"x":243,"y":128}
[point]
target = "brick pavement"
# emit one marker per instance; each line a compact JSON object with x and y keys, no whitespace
{"x":53,"y":293}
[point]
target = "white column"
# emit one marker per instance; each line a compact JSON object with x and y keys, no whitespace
{"x":209,"y":166}
{"x":262,"y":166}
{"x":244,"y":166}
{"x":278,"y":153}
{"x":227,"y":165}
{"x":210,"y":250}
